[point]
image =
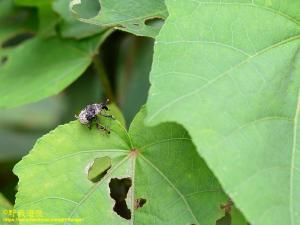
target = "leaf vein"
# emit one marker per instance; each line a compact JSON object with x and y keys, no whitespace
{"x":173,"y":186}
{"x":293,"y":38}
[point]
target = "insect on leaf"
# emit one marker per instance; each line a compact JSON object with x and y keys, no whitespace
{"x":148,"y":176}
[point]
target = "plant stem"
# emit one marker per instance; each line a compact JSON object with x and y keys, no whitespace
{"x":98,"y":65}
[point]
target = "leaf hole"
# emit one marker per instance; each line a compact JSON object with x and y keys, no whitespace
{"x":87,"y":9}
{"x":225,"y":220}
{"x":3,"y":60}
{"x":155,"y":22}
{"x":139,"y":203}
{"x":17,"y":39}
{"x":120,"y":26}
{"x":227,"y":207}
{"x":98,"y":168}
{"x":118,"y":191}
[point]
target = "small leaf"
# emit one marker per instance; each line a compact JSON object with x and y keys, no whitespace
{"x":158,"y":168}
{"x":129,"y":15}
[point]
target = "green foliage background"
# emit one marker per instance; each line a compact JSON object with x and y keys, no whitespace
{"x":217,"y":139}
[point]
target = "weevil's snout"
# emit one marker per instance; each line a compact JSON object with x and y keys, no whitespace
{"x":104,"y":105}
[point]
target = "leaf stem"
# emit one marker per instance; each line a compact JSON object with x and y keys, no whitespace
{"x":98,"y":65}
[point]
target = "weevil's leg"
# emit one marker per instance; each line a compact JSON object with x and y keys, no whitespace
{"x":89,"y":125}
{"x":100,"y":126}
{"x":107,"y":115}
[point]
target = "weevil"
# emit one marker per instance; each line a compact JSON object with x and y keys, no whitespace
{"x":90,"y":113}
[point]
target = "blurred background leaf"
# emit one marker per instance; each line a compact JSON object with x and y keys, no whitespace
{"x":15,"y":21}
{"x":43,"y":67}
{"x":69,"y":26}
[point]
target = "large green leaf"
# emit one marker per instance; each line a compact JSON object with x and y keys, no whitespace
{"x":43,"y":67}
{"x":132,"y":16}
{"x":161,"y":162}
{"x":229,"y":72}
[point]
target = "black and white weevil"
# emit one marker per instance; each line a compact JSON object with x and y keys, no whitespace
{"x":90,"y":113}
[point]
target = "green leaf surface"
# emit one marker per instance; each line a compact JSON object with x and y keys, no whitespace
{"x":162,"y":163}
{"x":229,"y":72}
{"x":130,"y":16}
{"x":43,"y":67}
{"x":69,"y":26}
{"x":114,"y":110}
